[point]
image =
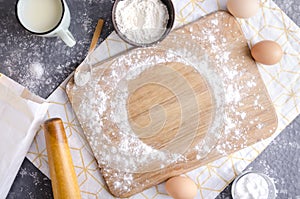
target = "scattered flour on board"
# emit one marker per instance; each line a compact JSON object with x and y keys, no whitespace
{"x":103,"y":107}
{"x":81,"y":78}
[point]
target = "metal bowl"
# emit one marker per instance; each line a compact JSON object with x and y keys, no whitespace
{"x":271,"y":185}
{"x":171,"y":12}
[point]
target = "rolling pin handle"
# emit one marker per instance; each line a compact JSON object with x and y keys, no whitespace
{"x":62,"y":172}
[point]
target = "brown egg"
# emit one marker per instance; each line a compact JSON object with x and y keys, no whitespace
{"x":181,"y":187}
{"x":267,"y":52}
{"x":243,"y":8}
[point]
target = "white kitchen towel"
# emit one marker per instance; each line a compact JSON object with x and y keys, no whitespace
{"x":21,"y":114}
{"x":282,"y":81}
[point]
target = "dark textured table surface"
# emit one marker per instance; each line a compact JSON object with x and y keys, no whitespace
{"x":20,"y":51}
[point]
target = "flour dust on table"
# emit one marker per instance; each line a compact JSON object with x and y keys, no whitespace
{"x":19,"y":50}
{"x":33,"y":185}
{"x":37,"y":70}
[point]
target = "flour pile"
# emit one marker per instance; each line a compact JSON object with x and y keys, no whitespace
{"x":142,"y":21}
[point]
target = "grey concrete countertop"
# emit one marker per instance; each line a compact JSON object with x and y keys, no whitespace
{"x":19,"y":51}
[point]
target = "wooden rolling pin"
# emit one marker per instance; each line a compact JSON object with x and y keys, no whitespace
{"x":63,"y":177}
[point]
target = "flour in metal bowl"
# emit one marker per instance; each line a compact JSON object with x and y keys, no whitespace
{"x":141,"y":21}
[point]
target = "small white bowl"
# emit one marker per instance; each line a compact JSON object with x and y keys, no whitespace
{"x":271,"y":185}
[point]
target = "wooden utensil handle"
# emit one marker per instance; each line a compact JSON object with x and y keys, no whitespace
{"x":63,"y":177}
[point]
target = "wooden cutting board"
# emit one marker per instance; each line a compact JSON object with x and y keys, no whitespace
{"x":173,"y":105}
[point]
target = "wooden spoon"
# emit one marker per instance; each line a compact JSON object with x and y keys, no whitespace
{"x":83,"y":72}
